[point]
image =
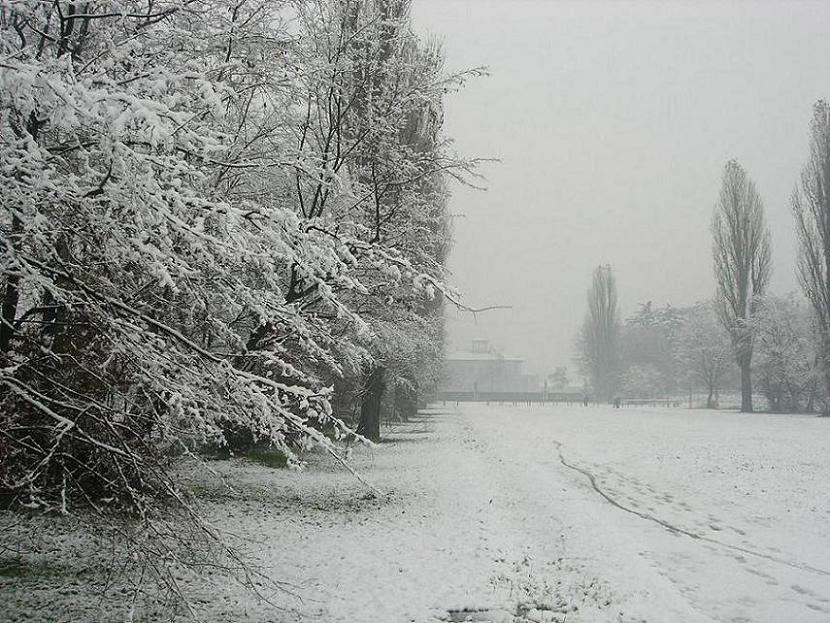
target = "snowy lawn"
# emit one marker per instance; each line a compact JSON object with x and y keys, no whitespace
{"x":722,"y":513}
{"x":536,"y":514}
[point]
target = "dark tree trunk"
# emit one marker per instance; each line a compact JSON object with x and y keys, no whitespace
{"x":710,"y":399}
{"x":811,"y":398}
{"x":822,"y":387}
{"x":413,"y":401}
{"x":744,"y":362}
{"x":11,"y":297}
{"x":406,"y":402}
{"x":373,"y":389}
{"x":826,"y":407}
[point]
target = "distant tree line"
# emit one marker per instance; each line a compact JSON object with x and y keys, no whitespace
{"x":744,"y":337}
{"x":666,"y":351}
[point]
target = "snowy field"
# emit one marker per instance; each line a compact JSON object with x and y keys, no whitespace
{"x":518,"y":514}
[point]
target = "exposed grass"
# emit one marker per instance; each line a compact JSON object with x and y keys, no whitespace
{"x":263,"y":455}
{"x":212,"y":453}
{"x":269,"y":457}
{"x":17,"y":568}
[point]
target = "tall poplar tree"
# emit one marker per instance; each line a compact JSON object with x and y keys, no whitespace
{"x":600,"y":336}
{"x":742,"y":257}
{"x":811,"y":207}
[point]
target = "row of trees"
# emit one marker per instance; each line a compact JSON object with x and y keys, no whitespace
{"x":742,"y":252}
{"x":221,"y":223}
{"x":780,"y":342}
{"x":666,"y":351}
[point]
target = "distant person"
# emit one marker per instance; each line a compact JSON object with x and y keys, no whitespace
{"x":617,"y":402}
{"x":585,"y":401}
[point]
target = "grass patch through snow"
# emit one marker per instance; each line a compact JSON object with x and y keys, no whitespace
{"x":17,"y":568}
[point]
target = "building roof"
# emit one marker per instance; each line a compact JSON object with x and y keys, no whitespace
{"x":466,"y":356}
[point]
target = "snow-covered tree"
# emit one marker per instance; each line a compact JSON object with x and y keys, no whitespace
{"x":205,"y":209}
{"x":704,"y":350}
{"x":787,"y":357}
{"x":742,"y":258}
{"x":648,"y":341}
{"x":811,"y":207}
{"x":371,"y":120}
{"x":210,"y":214}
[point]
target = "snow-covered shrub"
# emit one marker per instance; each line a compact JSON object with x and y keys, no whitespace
{"x":203,"y":207}
{"x":786,"y":368}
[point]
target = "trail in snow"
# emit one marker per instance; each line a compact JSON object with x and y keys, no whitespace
{"x":677,"y":529}
{"x":731,"y":510}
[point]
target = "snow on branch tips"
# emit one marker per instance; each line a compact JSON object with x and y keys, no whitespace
{"x":217,"y":222}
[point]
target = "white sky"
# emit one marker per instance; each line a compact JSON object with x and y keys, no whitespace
{"x":613,"y":121}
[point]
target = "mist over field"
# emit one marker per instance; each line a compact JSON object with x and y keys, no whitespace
{"x":613,"y":122}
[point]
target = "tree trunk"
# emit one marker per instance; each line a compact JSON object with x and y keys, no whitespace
{"x":826,"y":406}
{"x":11,"y":296}
{"x":811,"y":398}
{"x":405,"y":402}
{"x":9,"y":312}
{"x":744,"y":362}
{"x":373,"y":389}
{"x":710,"y":399}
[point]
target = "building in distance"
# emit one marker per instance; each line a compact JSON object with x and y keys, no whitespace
{"x":484,"y":370}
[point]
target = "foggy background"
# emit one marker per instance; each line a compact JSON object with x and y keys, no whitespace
{"x":613,"y":121}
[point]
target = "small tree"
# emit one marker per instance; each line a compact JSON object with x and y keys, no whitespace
{"x":648,"y":341}
{"x":558,"y":381}
{"x":599,"y":338}
{"x":742,"y":256}
{"x":704,"y":350}
{"x":811,"y":207}
{"x":642,"y":381}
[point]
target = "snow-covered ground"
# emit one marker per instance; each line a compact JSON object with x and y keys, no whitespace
{"x":551,"y":513}
{"x":701,"y":516}
{"x":685,"y":515}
